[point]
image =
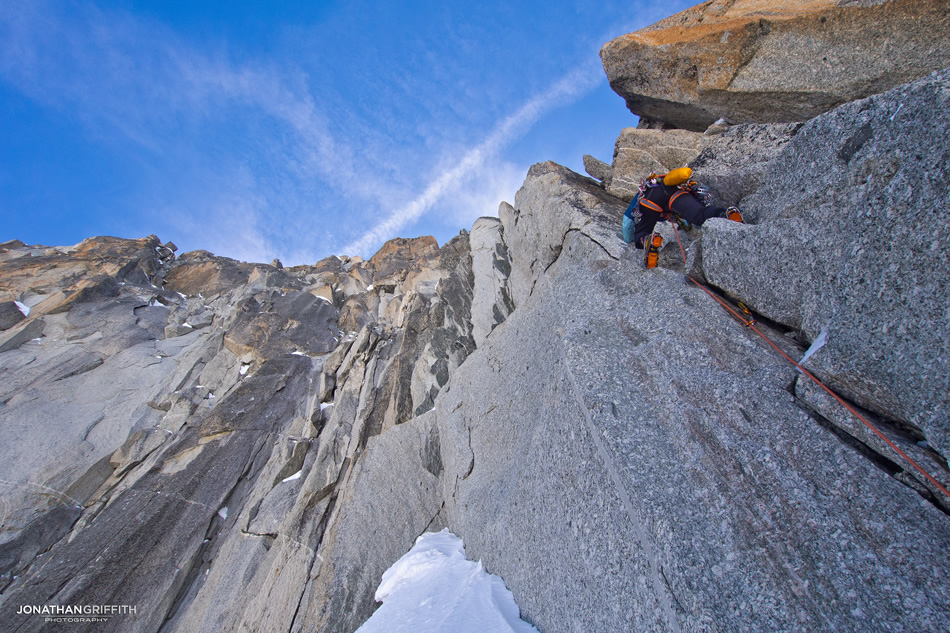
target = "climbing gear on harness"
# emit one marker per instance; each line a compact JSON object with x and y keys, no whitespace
{"x":651,"y":249}
{"x":680,"y":178}
{"x":677,"y":176}
{"x":648,"y":183}
{"x":702,"y":193}
{"x":653,"y":180}
{"x":681,"y":223}
{"x":732,"y":213}
{"x":642,"y":191}
{"x":699,"y":192}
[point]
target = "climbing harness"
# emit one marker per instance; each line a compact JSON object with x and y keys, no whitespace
{"x":702,"y":193}
{"x":651,"y":181}
{"x":680,"y":179}
{"x":750,"y":323}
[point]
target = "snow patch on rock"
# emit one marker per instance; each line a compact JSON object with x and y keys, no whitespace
{"x":434,"y":588}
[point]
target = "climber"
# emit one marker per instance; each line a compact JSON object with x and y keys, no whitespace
{"x":672,"y":197}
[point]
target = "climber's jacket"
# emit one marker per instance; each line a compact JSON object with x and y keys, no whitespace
{"x":658,"y":202}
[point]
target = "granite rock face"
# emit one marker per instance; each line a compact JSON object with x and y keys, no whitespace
{"x":184,"y":401}
{"x":61,"y":416}
{"x":732,"y":164}
{"x":51,"y":280}
{"x":639,"y":153}
{"x":770,"y":61}
{"x":676,"y":474}
{"x":491,"y":268}
{"x":850,"y":218}
{"x":283,"y":323}
{"x":232,"y":446}
{"x":545,"y":211}
{"x":597,"y":169}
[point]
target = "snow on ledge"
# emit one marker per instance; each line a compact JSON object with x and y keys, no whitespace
{"x":296,"y":475}
{"x":435,"y":589}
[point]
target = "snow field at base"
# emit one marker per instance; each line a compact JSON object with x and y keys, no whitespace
{"x":435,"y":589}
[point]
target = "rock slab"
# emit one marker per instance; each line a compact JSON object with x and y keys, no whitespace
{"x":849,"y":223}
{"x":770,"y":61}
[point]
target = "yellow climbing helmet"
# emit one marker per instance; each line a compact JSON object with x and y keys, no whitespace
{"x":677,"y":176}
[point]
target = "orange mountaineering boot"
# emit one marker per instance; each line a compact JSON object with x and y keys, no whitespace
{"x":651,"y":249}
{"x":733,"y":214}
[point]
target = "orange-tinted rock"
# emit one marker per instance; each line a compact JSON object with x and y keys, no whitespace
{"x":774,"y":61}
{"x":392,"y":262}
{"x":112,"y":249}
{"x":64,"y":276}
{"x":200,"y":272}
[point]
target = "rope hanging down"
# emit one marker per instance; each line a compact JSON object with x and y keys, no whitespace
{"x":840,"y":400}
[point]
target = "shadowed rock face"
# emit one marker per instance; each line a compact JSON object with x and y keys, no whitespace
{"x":161,"y":425}
{"x":283,"y":324}
{"x":10,"y":315}
{"x":156,"y":530}
{"x":768,"y":61}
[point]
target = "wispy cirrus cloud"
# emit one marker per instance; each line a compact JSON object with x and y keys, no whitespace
{"x":342,"y":134}
{"x":198,"y":120}
{"x":475,"y":161}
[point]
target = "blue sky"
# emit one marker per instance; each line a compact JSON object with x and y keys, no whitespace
{"x":294,"y":130}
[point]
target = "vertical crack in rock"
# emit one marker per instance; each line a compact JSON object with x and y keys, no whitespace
{"x":320,"y":531}
{"x":853,"y":434}
{"x":214,"y":527}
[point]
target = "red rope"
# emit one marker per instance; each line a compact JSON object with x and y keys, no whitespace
{"x":677,"y":234}
{"x":818,"y":382}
